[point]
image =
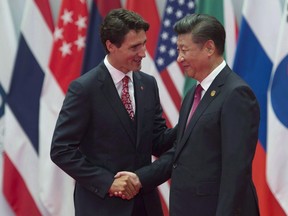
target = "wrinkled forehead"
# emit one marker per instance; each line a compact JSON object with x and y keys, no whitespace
{"x":184,"y":39}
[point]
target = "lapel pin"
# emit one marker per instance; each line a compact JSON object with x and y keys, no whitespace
{"x":213,"y":92}
{"x":142,"y":88}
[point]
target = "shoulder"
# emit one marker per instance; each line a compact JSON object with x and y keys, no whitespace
{"x":233,"y":80}
{"x":145,"y":79}
{"x":90,"y":79}
{"x":144,"y":76}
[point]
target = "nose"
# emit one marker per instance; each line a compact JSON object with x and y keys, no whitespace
{"x":142,"y":52}
{"x":180,"y":58}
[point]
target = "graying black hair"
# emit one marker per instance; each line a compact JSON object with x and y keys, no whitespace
{"x":203,"y":28}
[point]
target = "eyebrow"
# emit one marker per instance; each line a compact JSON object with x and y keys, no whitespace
{"x":138,"y":44}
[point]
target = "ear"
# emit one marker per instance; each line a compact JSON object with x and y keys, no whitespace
{"x":110,"y":46}
{"x":210,"y":47}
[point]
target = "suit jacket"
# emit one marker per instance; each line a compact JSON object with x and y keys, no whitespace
{"x":211,"y":163}
{"x":94,"y":138}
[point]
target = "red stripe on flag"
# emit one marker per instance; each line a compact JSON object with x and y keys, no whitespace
{"x":168,"y":123}
{"x":104,"y":6}
{"x":23,"y":203}
{"x":267,"y":202}
{"x":171,"y":88}
{"x":236,"y":29}
{"x":44,"y":7}
{"x":148,"y":10}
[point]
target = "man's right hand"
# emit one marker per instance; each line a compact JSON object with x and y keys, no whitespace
{"x":125,"y":185}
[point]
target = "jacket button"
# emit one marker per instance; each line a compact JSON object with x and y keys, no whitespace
{"x":174,"y":166}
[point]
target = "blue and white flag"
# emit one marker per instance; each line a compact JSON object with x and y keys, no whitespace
{"x":277,"y":136}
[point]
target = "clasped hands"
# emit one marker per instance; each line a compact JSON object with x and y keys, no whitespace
{"x":126,"y":185}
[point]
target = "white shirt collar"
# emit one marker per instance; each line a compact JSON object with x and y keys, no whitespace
{"x":209,"y":79}
{"x":116,"y":74}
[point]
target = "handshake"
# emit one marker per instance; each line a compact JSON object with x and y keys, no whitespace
{"x":126,"y":185}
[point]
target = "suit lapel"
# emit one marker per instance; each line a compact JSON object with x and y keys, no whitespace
{"x":109,"y":91}
{"x":139,"y":89}
{"x":211,"y":94}
{"x":185,"y":111}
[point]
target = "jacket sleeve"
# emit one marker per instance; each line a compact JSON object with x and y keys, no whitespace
{"x":69,"y":131}
{"x":163,"y":137}
{"x":158,"y":172}
{"x":239,"y":128}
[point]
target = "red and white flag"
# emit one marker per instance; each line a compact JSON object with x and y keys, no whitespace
{"x":65,"y":65}
{"x":21,"y":182}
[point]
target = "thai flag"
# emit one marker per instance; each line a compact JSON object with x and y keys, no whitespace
{"x":8,"y":43}
{"x":21,"y":143}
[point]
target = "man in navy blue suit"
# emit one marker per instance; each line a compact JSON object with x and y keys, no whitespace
{"x":211,"y":164}
{"x":96,"y":137}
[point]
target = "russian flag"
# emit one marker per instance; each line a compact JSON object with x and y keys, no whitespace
{"x":254,"y":61}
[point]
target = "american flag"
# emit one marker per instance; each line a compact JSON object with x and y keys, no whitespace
{"x":161,"y":57}
{"x":166,"y":54}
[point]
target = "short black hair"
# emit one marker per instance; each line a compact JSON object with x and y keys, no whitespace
{"x":203,"y":27}
{"x":118,"y":23}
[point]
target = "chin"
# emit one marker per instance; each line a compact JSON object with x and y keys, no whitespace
{"x":137,"y":68}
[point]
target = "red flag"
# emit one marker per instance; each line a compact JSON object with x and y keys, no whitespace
{"x":65,"y":65}
{"x":69,"y":42}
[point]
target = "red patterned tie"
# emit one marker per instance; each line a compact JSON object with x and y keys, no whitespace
{"x":125,"y":97}
{"x":196,"y":101}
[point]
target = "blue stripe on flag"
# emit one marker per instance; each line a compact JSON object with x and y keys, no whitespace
{"x":25,"y":90}
{"x":254,"y":66}
{"x":94,"y":52}
{"x":2,"y":100}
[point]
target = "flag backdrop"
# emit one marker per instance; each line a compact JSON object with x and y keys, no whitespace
{"x":277,"y":134}
{"x":8,"y":43}
{"x":21,"y":144}
{"x":223,"y":10}
{"x":94,"y":52}
{"x":254,"y":61}
{"x":48,"y":59}
{"x":65,"y":64}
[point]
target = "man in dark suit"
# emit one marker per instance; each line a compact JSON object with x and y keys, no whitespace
{"x":211,"y":163}
{"x":95,"y":136}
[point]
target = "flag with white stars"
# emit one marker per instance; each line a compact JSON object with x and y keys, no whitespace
{"x":69,"y":42}
{"x":166,"y":50}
